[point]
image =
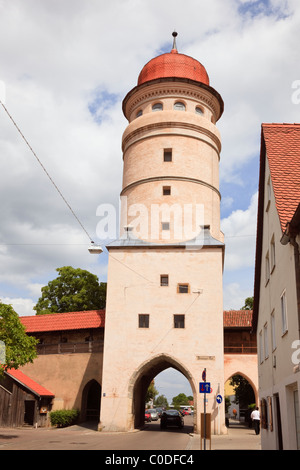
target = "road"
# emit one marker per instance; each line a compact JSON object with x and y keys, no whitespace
{"x":84,"y":438}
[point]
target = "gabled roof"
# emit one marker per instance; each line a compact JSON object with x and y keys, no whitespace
{"x":64,"y":321}
{"x":27,"y":382}
{"x":282,"y":143}
{"x":280,"y":146}
{"x":237,"y":318}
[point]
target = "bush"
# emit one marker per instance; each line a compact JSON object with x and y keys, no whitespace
{"x":63,"y":418}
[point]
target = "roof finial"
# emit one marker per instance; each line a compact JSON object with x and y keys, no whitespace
{"x":174,"y":34}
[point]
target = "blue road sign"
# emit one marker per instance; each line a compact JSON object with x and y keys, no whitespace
{"x":219,"y":399}
{"x":204,"y":387}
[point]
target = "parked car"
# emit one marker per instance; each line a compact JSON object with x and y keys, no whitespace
{"x":171,"y":418}
{"x":159,"y":411}
{"x":147,"y":416}
{"x":154,"y":414}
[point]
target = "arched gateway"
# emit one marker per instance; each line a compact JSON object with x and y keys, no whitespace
{"x":164,"y":299}
{"x":141,"y":379}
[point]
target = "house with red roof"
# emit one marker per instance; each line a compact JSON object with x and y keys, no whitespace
{"x":67,"y":372}
{"x":23,"y":401}
{"x":276,"y":311}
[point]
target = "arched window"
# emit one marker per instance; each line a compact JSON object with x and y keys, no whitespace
{"x":179,"y":106}
{"x":199,"y":110}
{"x":139,"y":113}
{"x":157,"y":107}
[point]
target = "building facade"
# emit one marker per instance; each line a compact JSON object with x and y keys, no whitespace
{"x":70,"y":358}
{"x":277,"y":289}
{"x":164,"y":298}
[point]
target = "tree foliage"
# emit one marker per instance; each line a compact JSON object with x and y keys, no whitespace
{"x":248,"y":304}
{"x":244,"y":393}
{"x":180,"y":399}
{"x":17,"y":347}
{"x":162,"y":401}
{"x":151,"y":392}
{"x":73,"y":290}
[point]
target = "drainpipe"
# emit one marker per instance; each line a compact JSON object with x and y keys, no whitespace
{"x":289,"y":236}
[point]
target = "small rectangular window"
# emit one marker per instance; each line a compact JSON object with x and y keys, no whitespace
{"x":165,"y":225}
{"x":260,"y":345}
{"x":143,"y":320}
{"x":166,"y":190}
{"x":283,"y":313}
{"x":164,"y":280}
{"x":183,"y":288}
{"x":273,"y":330}
{"x":267,"y":268}
{"x":269,"y":192}
{"x":266,"y":342}
{"x":273,"y":260}
{"x":167,"y":155}
{"x":178,"y":321}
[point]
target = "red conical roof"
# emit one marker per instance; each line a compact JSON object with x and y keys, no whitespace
{"x":173,"y":64}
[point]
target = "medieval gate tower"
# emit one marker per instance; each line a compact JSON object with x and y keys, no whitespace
{"x":164,"y":299}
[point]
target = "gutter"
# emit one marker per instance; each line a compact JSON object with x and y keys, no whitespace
{"x":289,"y":236}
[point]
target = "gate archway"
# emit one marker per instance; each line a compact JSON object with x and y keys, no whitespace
{"x":91,"y":401}
{"x":142,"y":378}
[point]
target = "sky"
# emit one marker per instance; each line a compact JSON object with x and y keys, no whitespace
{"x":65,"y":67}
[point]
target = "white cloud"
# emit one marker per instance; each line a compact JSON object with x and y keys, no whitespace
{"x":21,"y":306}
{"x":171,"y":382}
{"x":234,"y":296}
{"x":240,"y":236}
{"x":65,"y":68}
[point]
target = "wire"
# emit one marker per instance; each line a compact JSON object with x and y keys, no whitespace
{"x":39,"y":161}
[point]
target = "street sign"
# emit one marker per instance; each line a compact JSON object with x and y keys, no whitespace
{"x":219,"y":399}
{"x":204,"y":387}
{"x":204,"y":375}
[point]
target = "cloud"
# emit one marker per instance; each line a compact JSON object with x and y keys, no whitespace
{"x":171,"y":382}
{"x":240,"y":236}
{"x":21,"y":305}
{"x":234,"y":295}
{"x":64,"y":88}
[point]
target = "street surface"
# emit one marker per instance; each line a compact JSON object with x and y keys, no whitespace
{"x":151,"y":438}
{"x":81,"y":438}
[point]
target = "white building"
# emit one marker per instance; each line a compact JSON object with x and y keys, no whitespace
{"x":276,"y":315}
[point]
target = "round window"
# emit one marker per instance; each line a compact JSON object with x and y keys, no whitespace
{"x":179,"y":106}
{"x":199,"y":110}
{"x":157,"y":107}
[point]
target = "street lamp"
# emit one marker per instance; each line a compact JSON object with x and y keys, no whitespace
{"x":95,"y":249}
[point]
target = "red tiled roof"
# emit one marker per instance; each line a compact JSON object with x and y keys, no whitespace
{"x":173,"y":64}
{"x":283,"y":153}
{"x":29,"y":383}
{"x":237,"y":318}
{"x":64,"y":321}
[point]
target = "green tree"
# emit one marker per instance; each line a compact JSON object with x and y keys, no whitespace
{"x":151,"y":392}
{"x":17,"y":347}
{"x":244,"y":393}
{"x":162,"y":401}
{"x":248,"y":304}
{"x":180,"y":399}
{"x":73,"y":290}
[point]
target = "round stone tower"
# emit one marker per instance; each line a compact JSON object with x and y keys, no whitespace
{"x":164,"y":303}
{"x":171,"y":151}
